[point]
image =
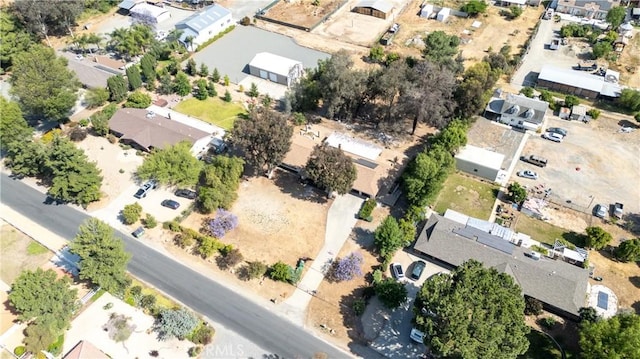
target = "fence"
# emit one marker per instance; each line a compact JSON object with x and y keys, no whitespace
{"x":262,"y":15}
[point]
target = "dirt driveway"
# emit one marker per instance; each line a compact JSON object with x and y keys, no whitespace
{"x":595,"y":164}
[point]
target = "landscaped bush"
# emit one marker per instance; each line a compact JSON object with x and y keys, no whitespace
{"x":280,"y":272}
{"x":253,"y":270}
{"x":148,"y":301}
{"x":131,"y":213}
{"x":548,"y":322}
{"x":366,"y":210}
{"x":78,"y":134}
{"x":359,"y":306}
{"x":594,"y":113}
{"x":540,"y":249}
{"x":177,"y":323}
{"x":19,"y":350}
{"x":183,"y":240}
{"x":150,"y":221}
{"x":346,"y":268}
{"x":173,"y":226}
{"x":223,"y":222}
{"x":194,"y":351}
{"x":210,"y":41}
{"x":532,"y":306}
{"x":230,"y":259}
{"x":202,"y":335}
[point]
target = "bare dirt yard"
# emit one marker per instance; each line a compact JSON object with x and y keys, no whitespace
{"x":332,"y":306}
{"x":302,"y":13}
{"x":19,"y":253}
{"x":494,"y":32}
{"x":629,"y":62}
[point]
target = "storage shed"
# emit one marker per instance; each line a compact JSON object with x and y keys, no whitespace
{"x":479,"y":162}
{"x":150,"y":13}
{"x":376,"y":8}
{"x":426,"y":10}
{"x":276,"y":68}
{"x":443,"y":14}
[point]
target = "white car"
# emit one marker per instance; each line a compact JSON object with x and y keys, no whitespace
{"x":417,"y":336}
{"x":528,"y":174}
{"x":396,"y":270}
{"x":552,"y":136}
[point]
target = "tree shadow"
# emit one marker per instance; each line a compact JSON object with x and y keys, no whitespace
{"x":574,"y":238}
{"x":627,"y":123}
{"x":636,"y":307}
{"x":9,"y":308}
{"x":632,"y":223}
{"x":291,"y":184}
{"x":635,"y":280}
{"x":351,"y":320}
{"x":364,"y":238}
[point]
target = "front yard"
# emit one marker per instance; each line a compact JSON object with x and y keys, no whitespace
{"x":467,"y":195}
{"x":212,"y":110}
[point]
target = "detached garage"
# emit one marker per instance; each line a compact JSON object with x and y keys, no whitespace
{"x":276,"y":68}
{"x":479,"y":162}
{"x":376,"y":8}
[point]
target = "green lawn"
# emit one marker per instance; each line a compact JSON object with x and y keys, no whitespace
{"x":35,"y":248}
{"x":467,"y":195}
{"x":212,"y":110}
{"x":540,"y":347}
{"x":161,"y":299}
{"x":545,"y":232}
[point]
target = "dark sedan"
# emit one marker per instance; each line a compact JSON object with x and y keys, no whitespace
{"x":169,"y":203}
{"x":186,"y":193}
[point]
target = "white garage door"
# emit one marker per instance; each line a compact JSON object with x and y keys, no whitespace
{"x":273,"y":77}
{"x":263,"y":74}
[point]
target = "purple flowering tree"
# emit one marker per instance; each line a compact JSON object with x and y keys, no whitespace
{"x":223,"y":222}
{"x":346,"y":268}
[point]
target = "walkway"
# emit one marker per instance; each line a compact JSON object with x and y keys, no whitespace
{"x":514,"y":162}
{"x":341,"y":219}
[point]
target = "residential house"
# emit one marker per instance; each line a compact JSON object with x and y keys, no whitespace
{"x":276,"y":68}
{"x":85,"y":350}
{"x":560,"y":286}
{"x":591,"y":9}
{"x":203,"y":25}
{"x":480,"y":162}
{"x":517,"y":110}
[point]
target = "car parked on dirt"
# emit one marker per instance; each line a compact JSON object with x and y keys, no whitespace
{"x":535,"y":160}
{"x":169,"y":203}
{"x":600,"y":210}
{"x":138,"y":232}
{"x":145,"y":188}
{"x":558,"y":130}
{"x":618,"y":210}
{"x":528,"y":174}
{"x":396,"y":270}
{"x":552,"y":136}
{"x":418,"y":268}
{"x":186,"y":193}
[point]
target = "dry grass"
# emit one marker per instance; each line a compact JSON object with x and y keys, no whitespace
{"x":302,"y":13}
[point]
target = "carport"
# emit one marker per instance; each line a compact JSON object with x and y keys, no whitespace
{"x":376,"y":8}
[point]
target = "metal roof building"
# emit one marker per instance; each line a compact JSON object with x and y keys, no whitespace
{"x":275,"y":68}
{"x":479,"y":162}
{"x":574,"y":82}
{"x":375,"y":8}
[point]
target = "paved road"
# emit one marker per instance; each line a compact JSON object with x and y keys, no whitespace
{"x":196,"y":291}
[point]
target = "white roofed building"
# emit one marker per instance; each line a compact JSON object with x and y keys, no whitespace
{"x":579,"y":83}
{"x":149,"y":13}
{"x":479,"y":162}
{"x":278,"y":69}
{"x":204,"y":25}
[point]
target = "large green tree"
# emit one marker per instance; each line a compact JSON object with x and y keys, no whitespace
{"x":118,"y":88}
{"x":341,"y":86}
{"x":629,"y":250}
{"x":181,"y":84}
{"x":40,"y":295}
{"x":219,"y":182}
{"x":425,"y":175}
{"x":630,"y":99}
{"x":616,"y":16}
{"x":331,"y":169}
{"x":103,"y":259}
{"x":475,"y":312}
{"x":43,"y":84}
{"x":15,"y":39}
{"x":173,"y":165}
{"x":474,"y":90}
{"x":440,"y":47}
{"x":391,"y":292}
{"x":597,"y":238}
{"x":616,"y":337}
{"x":134,"y":77}
{"x":264,"y":138}
{"x":389,"y":237}
{"x":14,"y":130}
{"x":138,"y":99}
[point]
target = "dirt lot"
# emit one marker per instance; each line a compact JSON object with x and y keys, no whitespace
{"x":622,"y":278}
{"x":592,"y":161}
{"x":333,"y":303}
{"x":302,"y":13}
{"x":491,"y":34}
{"x":629,"y":62}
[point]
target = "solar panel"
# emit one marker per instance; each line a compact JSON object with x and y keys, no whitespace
{"x":366,"y":163}
{"x":603,"y":300}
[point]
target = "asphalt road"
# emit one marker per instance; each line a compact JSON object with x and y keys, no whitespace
{"x":203,"y":295}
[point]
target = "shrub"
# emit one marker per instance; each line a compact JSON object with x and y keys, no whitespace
{"x":245,"y":21}
{"x":230,"y":259}
{"x":203,"y":335}
{"x":55,"y":348}
{"x":359,"y":306}
{"x":138,"y":99}
{"x":280,"y":272}
{"x":597,"y":238}
{"x":148,"y":301}
{"x":19,"y":350}
{"x":346,"y":268}
{"x":223,"y":222}
{"x":183,"y":240}
{"x":299,"y":118}
{"x":532,"y":306}
{"x":377,"y":276}
{"x":540,"y":249}
{"x":637,"y":116}
{"x":108,"y":306}
{"x":227,"y":96}
{"x":84,"y":122}
{"x":515,"y":11}
{"x":548,"y":322}
{"x":253,"y":270}
{"x":594,"y":113}
{"x":150,"y":221}
{"x":376,"y":54}
{"x":78,"y":134}
{"x":628,"y":251}
{"x":226,"y":80}
{"x":177,"y":323}
{"x":131,"y":213}
{"x":172,"y":225}
{"x":527,"y":91}
{"x":517,"y":193}
{"x":571,"y":101}
{"x":367,"y":208}
{"x":194,"y":351}
{"x":207,"y":246}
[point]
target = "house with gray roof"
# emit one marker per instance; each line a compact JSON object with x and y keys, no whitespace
{"x":203,"y":25}
{"x":591,"y":9}
{"x":562,"y":288}
{"x":517,"y":110}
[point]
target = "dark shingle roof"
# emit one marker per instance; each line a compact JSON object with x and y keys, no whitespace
{"x":554,"y":282}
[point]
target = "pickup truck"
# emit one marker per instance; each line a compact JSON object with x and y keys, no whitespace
{"x":585,"y":67}
{"x":618,"y":210}
{"x":555,"y":44}
{"x":387,"y":38}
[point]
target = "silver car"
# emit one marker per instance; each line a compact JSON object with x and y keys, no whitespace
{"x":552,"y":136}
{"x":600,"y":210}
{"x":528,"y":174}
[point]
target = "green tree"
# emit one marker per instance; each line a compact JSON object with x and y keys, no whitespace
{"x":118,"y":88}
{"x":474,"y":91}
{"x":14,"y":130}
{"x":100,"y":120}
{"x":597,"y":238}
{"x":264,"y":138}
{"x":166,"y":85}
{"x":219,"y":182}
{"x":138,"y":99}
{"x":616,"y":16}
{"x":493,"y":325}
{"x":515,"y":11}
{"x":376,"y":54}
{"x":192,"y":68}
{"x":227,"y":96}
{"x":440,"y":47}
{"x":15,"y":39}
{"x":452,"y":137}
{"x":474,"y":7}
{"x":517,"y":193}
{"x":150,"y":221}
{"x":629,"y":250}
{"x":178,"y":323}
{"x":40,"y":334}
{"x":96,"y":97}
{"x":202,"y":93}
{"x":391,"y":292}
{"x":182,"y":85}
{"x":253,"y":270}
{"x":527,"y":91}
{"x":425,"y":175}
{"x":630,"y":99}
{"x":616,"y":337}
{"x":211,"y":89}
{"x":331,"y":169}
{"x":26,"y":159}
{"x":204,"y":70}
{"x":253,"y":91}
{"x":103,"y":259}
{"x":39,"y":295}
{"x":43,"y":85}
{"x":571,"y":101}
{"x":148,"y":67}
{"x":134,"y":77}
{"x":226,"y":80}
{"x":131,"y":213}
{"x":389,"y":237}
{"x":588,"y":315}
{"x":215,"y":75}
{"x":173,"y":165}
{"x":280,"y":271}
{"x":601,"y":49}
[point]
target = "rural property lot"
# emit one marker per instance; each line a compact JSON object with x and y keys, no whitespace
{"x":594,"y":160}
{"x":496,"y":137}
{"x":302,"y":13}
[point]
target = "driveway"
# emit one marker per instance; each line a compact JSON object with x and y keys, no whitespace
{"x":119,"y":21}
{"x":232,"y":53}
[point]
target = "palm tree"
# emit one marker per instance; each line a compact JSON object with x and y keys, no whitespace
{"x":94,"y":39}
{"x":189,"y":42}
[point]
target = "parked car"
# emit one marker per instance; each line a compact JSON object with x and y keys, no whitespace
{"x":417,"y":336}
{"x":418,"y":268}
{"x":535,"y":160}
{"x":600,"y":210}
{"x":618,"y":210}
{"x":396,"y":270}
{"x":186,"y":193}
{"x":551,"y":136}
{"x":138,"y":232}
{"x":145,"y":188}
{"x":558,"y":130}
{"x":528,"y":174}
{"x":169,"y":203}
